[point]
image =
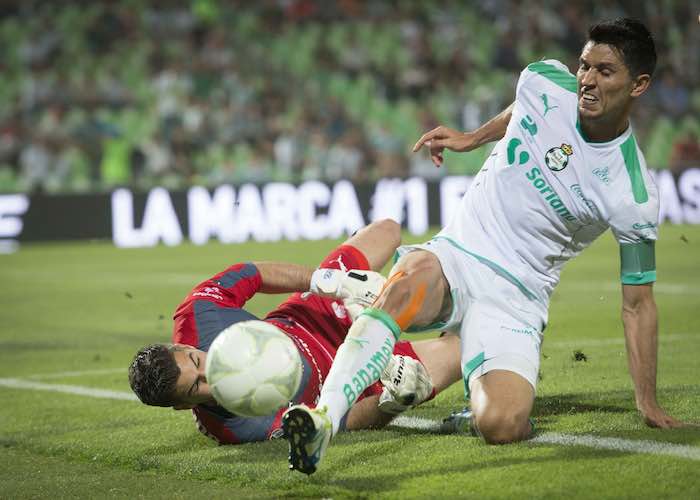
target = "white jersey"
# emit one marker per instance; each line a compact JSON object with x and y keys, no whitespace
{"x":545,"y":193}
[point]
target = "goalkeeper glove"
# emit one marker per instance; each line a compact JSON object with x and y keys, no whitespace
{"x":406,"y":384}
{"x":355,"y":286}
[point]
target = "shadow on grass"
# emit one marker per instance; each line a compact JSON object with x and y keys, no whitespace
{"x":277,"y":449}
{"x":617,"y":401}
{"x":263,"y":452}
{"x":458,"y":464}
{"x":569,"y":404}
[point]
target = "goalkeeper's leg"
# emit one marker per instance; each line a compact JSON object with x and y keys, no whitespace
{"x":416,"y":294}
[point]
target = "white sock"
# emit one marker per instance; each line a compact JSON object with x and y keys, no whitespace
{"x":359,"y":362}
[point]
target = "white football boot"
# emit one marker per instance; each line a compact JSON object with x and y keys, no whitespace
{"x":460,"y":422}
{"x":308,"y":431}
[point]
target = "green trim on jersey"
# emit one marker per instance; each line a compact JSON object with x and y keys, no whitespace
{"x":582,"y":134}
{"x":468,"y":369}
{"x":580,"y":130}
{"x":563,"y":79}
{"x":428,"y":328}
{"x":629,"y":152}
{"x":637,"y":263}
{"x":494,"y":267}
{"x":385,"y":318}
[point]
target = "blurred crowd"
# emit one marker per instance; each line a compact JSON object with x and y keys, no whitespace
{"x":101,"y":94}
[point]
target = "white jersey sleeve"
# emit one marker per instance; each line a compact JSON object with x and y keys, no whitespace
{"x":548,"y":68}
{"x":634,"y":221}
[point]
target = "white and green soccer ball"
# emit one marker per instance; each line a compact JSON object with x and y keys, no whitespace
{"x":253,"y":368}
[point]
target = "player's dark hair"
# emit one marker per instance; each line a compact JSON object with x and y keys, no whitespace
{"x":153,"y":374}
{"x":632,"y":39}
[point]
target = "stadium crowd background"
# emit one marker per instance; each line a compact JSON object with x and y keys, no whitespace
{"x":95,"y":95}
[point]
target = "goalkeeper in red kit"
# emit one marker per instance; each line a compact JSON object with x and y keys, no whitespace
{"x":345,"y":283}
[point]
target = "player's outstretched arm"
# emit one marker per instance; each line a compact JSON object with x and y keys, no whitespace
{"x":278,"y":277}
{"x":640,"y":323}
{"x":377,"y":242}
{"x":444,"y":137}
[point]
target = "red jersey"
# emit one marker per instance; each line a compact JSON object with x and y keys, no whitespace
{"x":317,"y":326}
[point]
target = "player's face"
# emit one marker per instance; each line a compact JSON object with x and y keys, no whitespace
{"x":605,"y":86}
{"x":191,"y":388}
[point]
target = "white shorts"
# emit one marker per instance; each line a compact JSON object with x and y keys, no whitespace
{"x":499,"y":326}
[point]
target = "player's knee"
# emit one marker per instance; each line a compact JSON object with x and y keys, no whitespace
{"x":418,"y":266}
{"x":396,"y":292}
{"x":501,"y":426}
{"x":415,"y":279}
{"x":389,"y":229}
{"x":407,"y":275}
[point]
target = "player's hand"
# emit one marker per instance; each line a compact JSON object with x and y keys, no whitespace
{"x":406,"y":384}
{"x":655,"y":416}
{"x":444,"y":137}
{"x":354,"y":287}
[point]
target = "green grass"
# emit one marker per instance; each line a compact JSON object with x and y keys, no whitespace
{"x":78,"y":307}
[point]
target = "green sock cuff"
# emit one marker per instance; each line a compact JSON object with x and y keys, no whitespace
{"x":385,"y":318}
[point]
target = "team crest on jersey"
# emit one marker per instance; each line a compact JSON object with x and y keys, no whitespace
{"x":558,"y":158}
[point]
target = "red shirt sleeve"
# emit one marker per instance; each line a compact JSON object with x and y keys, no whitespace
{"x":228,"y":290}
{"x":227,"y":428}
{"x":232,"y":287}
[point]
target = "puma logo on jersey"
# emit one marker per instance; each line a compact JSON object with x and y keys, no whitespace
{"x":547,"y":107}
{"x":339,"y":260}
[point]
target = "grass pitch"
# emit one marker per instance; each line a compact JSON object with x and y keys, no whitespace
{"x":74,"y":314}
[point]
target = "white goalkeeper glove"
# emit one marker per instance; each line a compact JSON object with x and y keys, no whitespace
{"x":357,"y":288}
{"x":406,"y":384}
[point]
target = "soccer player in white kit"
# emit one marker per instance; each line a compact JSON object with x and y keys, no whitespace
{"x":567,"y":168}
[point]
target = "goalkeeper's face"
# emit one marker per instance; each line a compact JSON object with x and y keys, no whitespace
{"x":191,"y":388}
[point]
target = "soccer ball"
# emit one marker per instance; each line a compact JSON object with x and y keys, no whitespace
{"x":253,"y":368}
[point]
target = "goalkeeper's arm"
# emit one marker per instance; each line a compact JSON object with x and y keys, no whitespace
{"x":354,"y":285}
{"x":377,"y":242}
{"x":278,"y":277}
